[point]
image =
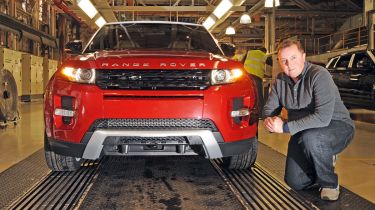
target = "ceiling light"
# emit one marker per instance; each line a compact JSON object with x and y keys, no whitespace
{"x":87,"y":7}
{"x":222,"y":8}
{"x":269,"y":3}
{"x":100,"y":21}
{"x":230,"y":31}
{"x":209,"y":22}
{"x":245,"y":19}
{"x":277,"y":3}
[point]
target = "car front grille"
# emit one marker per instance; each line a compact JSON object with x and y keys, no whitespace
{"x":153,"y":140}
{"x":153,"y":79}
{"x":170,"y":124}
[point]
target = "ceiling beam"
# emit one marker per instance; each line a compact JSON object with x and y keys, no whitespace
{"x":175,"y":4}
{"x":89,"y":22}
{"x":170,"y":8}
{"x":255,"y":8}
{"x":236,"y":3}
{"x":105,"y":10}
{"x":303,"y":4}
{"x":351,"y":4}
{"x":208,"y":2}
{"x":310,"y":13}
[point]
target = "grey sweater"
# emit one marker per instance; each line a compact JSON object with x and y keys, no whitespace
{"x":312,"y":102}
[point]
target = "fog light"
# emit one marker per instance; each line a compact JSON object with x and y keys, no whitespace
{"x":64,"y":112}
{"x":240,"y":113}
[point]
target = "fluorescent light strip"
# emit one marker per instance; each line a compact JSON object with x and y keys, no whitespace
{"x":277,"y":3}
{"x":209,"y":22}
{"x":222,"y":8}
{"x":100,"y":21}
{"x":88,"y":8}
{"x":269,"y":3}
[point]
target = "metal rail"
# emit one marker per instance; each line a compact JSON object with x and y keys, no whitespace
{"x":337,"y":41}
{"x":58,"y":190}
{"x":257,"y":189}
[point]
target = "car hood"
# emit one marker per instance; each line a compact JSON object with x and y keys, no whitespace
{"x":149,"y":59}
{"x":145,"y":53}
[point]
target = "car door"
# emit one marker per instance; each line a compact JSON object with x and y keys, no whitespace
{"x":362,"y":75}
{"x":342,"y":72}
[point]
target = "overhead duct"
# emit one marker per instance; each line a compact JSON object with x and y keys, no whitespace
{"x":60,"y":4}
{"x":10,"y":24}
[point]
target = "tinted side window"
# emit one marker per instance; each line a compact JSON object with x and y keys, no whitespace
{"x":343,"y":61}
{"x":362,"y":61}
{"x":332,"y":63}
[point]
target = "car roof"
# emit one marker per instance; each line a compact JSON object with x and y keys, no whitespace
{"x":349,"y":53}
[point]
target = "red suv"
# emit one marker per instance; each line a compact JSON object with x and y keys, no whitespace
{"x":150,"y":88}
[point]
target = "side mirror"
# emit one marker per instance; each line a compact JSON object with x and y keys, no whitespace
{"x":228,"y":49}
{"x":73,"y":47}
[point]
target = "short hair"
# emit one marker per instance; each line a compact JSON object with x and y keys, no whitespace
{"x":288,"y":42}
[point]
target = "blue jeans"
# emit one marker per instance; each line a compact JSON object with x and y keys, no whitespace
{"x":310,"y":153}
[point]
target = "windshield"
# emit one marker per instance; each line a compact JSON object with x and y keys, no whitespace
{"x":164,"y":36}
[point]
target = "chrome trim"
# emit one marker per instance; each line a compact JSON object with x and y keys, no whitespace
{"x":95,"y":144}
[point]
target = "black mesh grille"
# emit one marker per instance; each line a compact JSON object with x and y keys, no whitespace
{"x":153,"y":79}
{"x":153,"y":140}
{"x":153,"y":124}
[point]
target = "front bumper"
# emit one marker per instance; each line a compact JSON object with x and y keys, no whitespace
{"x":101,"y":141}
{"x":89,"y":104}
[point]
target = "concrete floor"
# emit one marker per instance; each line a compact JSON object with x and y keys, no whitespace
{"x":356,"y":165}
{"x":20,"y":141}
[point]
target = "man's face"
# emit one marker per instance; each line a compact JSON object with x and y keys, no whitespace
{"x":291,"y":61}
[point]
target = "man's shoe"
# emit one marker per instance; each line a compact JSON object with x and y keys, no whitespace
{"x":330,"y":194}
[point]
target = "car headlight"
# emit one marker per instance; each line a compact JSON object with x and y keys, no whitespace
{"x":225,"y":76}
{"x":79,"y":75}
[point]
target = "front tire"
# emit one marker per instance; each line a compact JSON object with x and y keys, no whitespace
{"x":243,"y":161}
{"x":58,"y":162}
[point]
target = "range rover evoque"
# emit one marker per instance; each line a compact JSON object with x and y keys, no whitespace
{"x":150,"y":88}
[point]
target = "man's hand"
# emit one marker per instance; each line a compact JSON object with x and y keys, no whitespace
{"x":274,"y":124}
{"x":268,"y":123}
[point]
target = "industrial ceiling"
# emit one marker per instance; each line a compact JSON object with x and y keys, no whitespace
{"x":292,"y":17}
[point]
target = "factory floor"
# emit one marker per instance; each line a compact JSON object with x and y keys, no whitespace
{"x":355,"y":167}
